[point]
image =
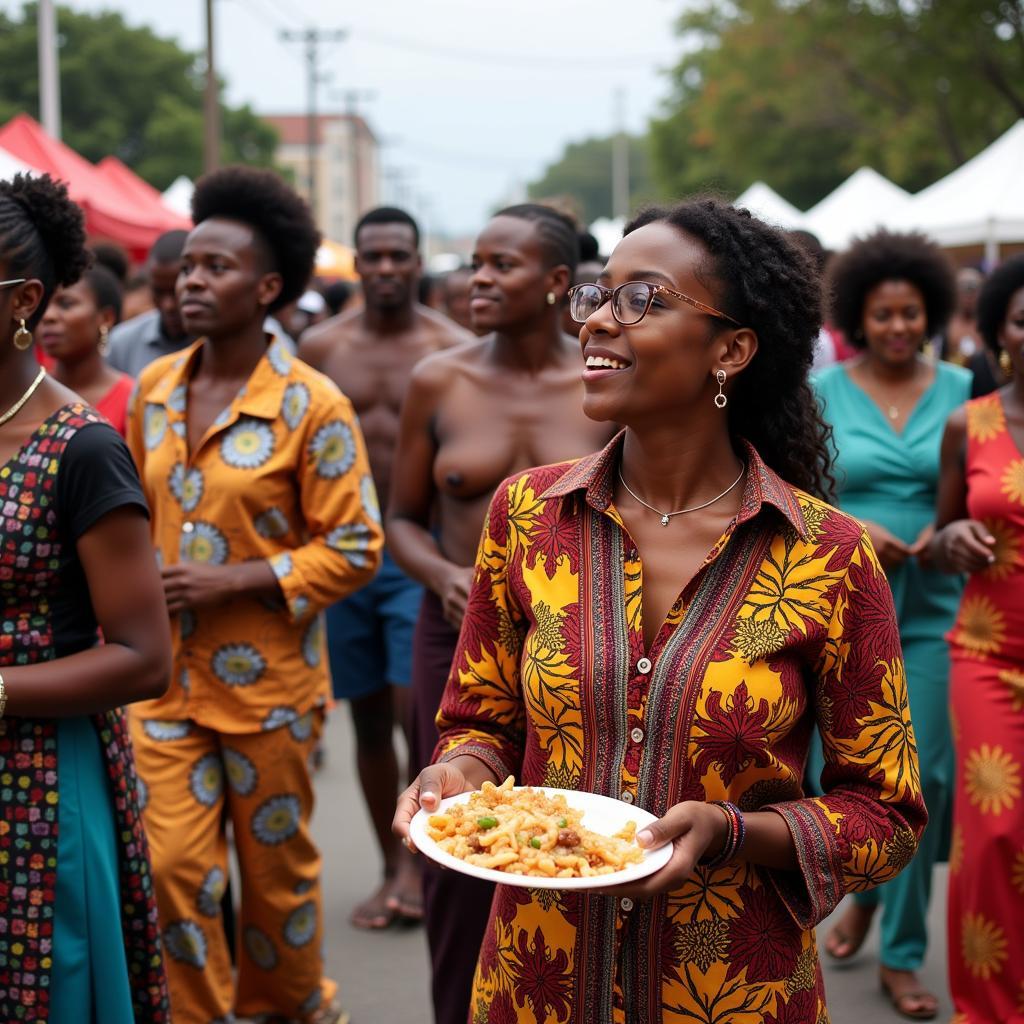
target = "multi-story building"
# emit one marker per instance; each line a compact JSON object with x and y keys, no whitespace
{"x":346,"y":165}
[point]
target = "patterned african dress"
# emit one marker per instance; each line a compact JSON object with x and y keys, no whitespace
{"x":280,"y":476}
{"x":986,"y":867}
{"x":788,"y":622}
{"x":78,"y":927}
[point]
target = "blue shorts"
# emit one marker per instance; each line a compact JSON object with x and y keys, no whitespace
{"x":369,"y":635}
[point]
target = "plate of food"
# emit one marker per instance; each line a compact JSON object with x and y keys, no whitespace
{"x":538,"y":838}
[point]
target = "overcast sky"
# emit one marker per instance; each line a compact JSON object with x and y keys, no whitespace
{"x":471,"y":99}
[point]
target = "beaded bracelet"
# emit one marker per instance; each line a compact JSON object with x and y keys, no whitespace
{"x":734,"y":840}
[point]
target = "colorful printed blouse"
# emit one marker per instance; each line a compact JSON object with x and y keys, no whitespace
{"x":788,"y":622}
{"x":281,"y":475}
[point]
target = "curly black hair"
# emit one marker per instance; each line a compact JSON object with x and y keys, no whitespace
{"x":276,"y":213}
{"x":997,"y":291}
{"x":42,"y":234}
{"x":764,"y":281}
{"x":890,"y":256}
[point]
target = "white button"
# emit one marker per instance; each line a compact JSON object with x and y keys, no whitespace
{"x":187,"y":527}
{"x":643,"y":666}
{"x":627,"y":797}
{"x":626,"y":903}
{"x":637,"y":734}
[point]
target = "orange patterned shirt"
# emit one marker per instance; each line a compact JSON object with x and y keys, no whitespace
{"x":789,"y":622}
{"x":281,"y":475}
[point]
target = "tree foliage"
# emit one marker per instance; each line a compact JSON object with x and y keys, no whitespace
{"x":125,"y":91}
{"x":800,"y":93}
{"x":584,"y":172}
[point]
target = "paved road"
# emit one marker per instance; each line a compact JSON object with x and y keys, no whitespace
{"x":383,"y":976}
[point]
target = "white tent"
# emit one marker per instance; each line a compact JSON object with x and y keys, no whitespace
{"x":864,"y":202}
{"x":178,"y":196}
{"x":980,"y":203}
{"x":608,"y":232}
{"x":11,"y":165}
{"x":764,"y":202}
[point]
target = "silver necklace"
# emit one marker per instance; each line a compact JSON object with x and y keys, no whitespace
{"x":666,"y":516}
{"x":19,"y":404}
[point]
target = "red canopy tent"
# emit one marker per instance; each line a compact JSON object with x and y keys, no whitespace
{"x":116,"y":207}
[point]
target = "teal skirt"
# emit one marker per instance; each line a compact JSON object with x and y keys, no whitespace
{"x":89,"y":978}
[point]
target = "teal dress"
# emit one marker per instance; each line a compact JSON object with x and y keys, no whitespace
{"x":891,"y":479}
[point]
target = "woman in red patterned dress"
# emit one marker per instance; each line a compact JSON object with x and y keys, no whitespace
{"x":981,"y":520}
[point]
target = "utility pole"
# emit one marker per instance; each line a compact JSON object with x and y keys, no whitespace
{"x":49,"y":70}
{"x":211,"y":101}
{"x":620,"y":158}
{"x":312,"y":38}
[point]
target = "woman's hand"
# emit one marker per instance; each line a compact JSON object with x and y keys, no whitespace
{"x":965,"y":546}
{"x":891,"y":551}
{"x":695,"y":830}
{"x":921,"y":548}
{"x":454,"y":593}
{"x":433,"y":784}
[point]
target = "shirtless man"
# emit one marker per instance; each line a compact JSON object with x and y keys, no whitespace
{"x":370,"y":354}
{"x":473,"y":416}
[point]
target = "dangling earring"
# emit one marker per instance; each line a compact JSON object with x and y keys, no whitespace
{"x":104,"y":339}
{"x":1006,"y":364}
{"x":720,"y":399}
{"x":22,"y":337}
{"x":552,"y":298}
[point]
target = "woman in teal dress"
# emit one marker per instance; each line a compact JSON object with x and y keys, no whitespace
{"x":79,"y":942}
{"x":887,"y":408}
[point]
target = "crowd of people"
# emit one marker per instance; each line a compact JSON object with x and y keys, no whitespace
{"x":722,"y":526}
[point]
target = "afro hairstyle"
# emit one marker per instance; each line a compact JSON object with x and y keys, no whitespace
{"x":279,"y":217}
{"x":997,"y":291}
{"x":889,"y":256}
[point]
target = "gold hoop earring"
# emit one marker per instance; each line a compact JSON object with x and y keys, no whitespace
{"x":1006,"y":364}
{"x":552,"y":298}
{"x":104,"y":339}
{"x":720,"y":400}
{"x":22,"y":337}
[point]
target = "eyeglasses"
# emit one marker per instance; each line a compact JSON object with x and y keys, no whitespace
{"x":13,"y":282}
{"x":630,"y":302}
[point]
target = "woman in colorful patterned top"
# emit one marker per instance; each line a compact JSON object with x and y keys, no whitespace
{"x":264,"y":513}
{"x":79,"y":942}
{"x":73,"y":333}
{"x":887,"y":407}
{"x":614,"y":644}
{"x":981,"y":520}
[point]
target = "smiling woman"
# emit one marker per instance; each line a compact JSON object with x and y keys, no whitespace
{"x":680,"y":668}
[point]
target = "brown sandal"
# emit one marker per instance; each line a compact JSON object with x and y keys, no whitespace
{"x":899,"y":1002}
{"x":847,"y":937}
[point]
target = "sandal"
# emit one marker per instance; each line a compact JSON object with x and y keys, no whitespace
{"x":915,"y":995}
{"x":852,"y":938}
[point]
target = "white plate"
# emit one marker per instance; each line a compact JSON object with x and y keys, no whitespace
{"x":600,"y":814}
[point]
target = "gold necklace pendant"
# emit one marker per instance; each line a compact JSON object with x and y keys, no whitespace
{"x":894,"y":413}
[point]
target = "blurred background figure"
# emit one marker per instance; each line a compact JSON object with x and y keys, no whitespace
{"x":455,"y":292}
{"x":474,"y":415}
{"x":981,"y":532}
{"x":137,"y":297}
{"x":588,"y":270}
{"x":831,"y":346}
{"x":74,"y":333}
{"x":339,"y":296}
{"x":370,"y":354}
{"x":160,"y":331}
{"x":961,"y":340}
{"x":111,"y":256}
{"x":887,"y":406}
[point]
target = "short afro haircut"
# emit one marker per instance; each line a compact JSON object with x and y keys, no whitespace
{"x":993,"y":302}
{"x":279,"y":217}
{"x":888,"y":256}
{"x":387,"y":215}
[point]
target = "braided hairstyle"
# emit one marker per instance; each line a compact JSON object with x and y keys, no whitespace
{"x":557,"y":232}
{"x":768,"y":284}
{"x":278,"y":216}
{"x":42,"y":235}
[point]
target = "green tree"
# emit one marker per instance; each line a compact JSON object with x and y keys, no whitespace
{"x":800,"y":93}
{"x":584,"y":173}
{"x":125,"y":91}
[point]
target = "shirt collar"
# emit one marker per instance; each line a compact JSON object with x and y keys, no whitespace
{"x":595,"y":475}
{"x":260,"y":396}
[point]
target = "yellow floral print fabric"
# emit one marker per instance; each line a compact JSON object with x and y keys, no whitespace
{"x":281,"y":475}
{"x":789,"y":621}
